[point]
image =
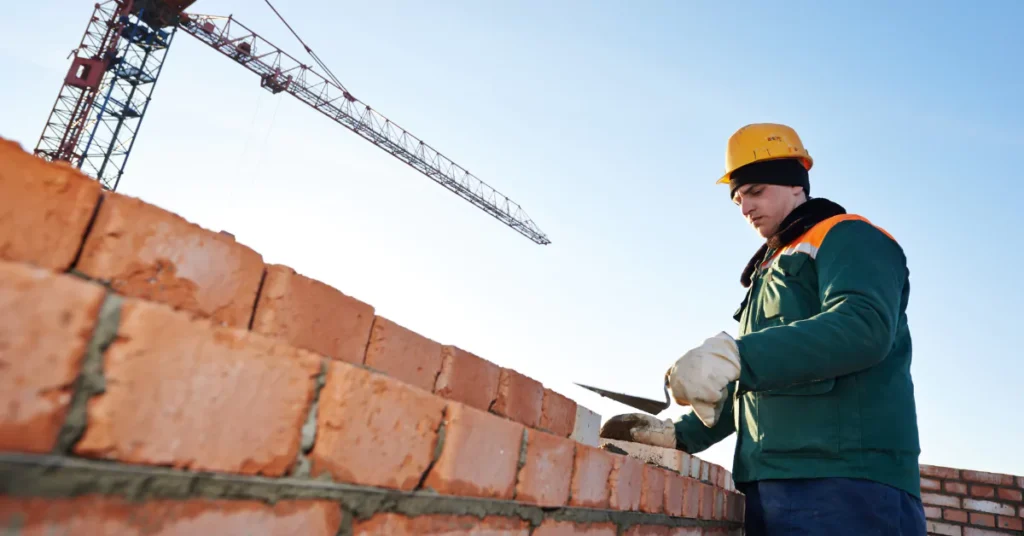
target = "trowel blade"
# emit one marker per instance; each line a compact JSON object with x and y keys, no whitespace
{"x":647,"y":405}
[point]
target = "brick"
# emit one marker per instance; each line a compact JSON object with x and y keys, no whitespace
{"x":684,"y":463}
{"x":707,"y":500}
{"x":1010,"y":495}
{"x":546,"y":476}
{"x":551,"y":527}
{"x":972,"y":531}
{"x":737,"y":506}
{"x":1020,"y":482}
{"x":591,"y":471}
{"x":649,"y":530}
{"x":696,"y":467}
{"x":185,"y":393}
{"x":625,"y":482}
{"x":952,"y":514}
{"x":983,"y":477}
{"x":388,"y":524}
{"x":45,"y":209}
{"x":933,"y":512}
{"x":652,"y":489}
{"x":691,"y":497}
{"x":936,"y":471}
{"x":519,"y":398}
{"x":587,"y":428}
{"x":1010,"y":523}
{"x":956,"y":487}
{"x":930,"y":484}
{"x":675,"y":488}
{"x":713,"y":474}
{"x":480,"y":455}
{"x":46,"y":321}
{"x":374,"y":430}
{"x":983,"y":520}
{"x":467,"y":378}
{"x":557,"y":413}
{"x":312,"y":315}
{"x":670,"y":459}
{"x":718,"y":508}
{"x":92,"y":514}
{"x":943,"y":529}
{"x":989,"y":507}
{"x":403,"y":354}
{"x":146,"y":252}
{"x":705,"y":471}
{"x":983,"y":492}
{"x":936,"y":499}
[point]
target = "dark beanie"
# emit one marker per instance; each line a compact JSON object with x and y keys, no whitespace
{"x":782,"y":172}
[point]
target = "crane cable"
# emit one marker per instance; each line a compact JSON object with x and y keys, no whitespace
{"x":309,"y":50}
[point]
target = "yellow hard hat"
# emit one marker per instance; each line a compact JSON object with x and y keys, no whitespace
{"x":763,"y":141}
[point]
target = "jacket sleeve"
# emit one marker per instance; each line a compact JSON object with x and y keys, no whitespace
{"x":862,"y":273}
{"x":691,"y":434}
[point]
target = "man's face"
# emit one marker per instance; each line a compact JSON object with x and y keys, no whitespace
{"x":765,"y":205}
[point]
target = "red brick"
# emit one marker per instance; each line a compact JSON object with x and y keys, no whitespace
{"x":691,"y":498}
{"x":1011,"y":523}
{"x":944,"y":529}
{"x":46,"y":321}
{"x":707,"y":501}
{"x":519,"y":398}
{"x":467,"y":378}
{"x":956,"y":487}
{"x":388,"y":524}
{"x":45,"y":209}
{"x":718,"y":511}
{"x":984,"y":492}
{"x":937,"y":471}
{"x":557,"y":414}
{"x":149,"y":253}
{"x":713,"y":471}
{"x":995,"y":479}
{"x":313,"y":315}
{"x":648,"y":530}
{"x":480,"y":455}
{"x":737,"y":504}
{"x":951,"y":514}
{"x":983,"y":520}
{"x":404,"y":354}
{"x":652,"y":489}
{"x":569,"y":528}
{"x":1010,"y":495}
{"x":590,"y":479}
{"x":374,"y":430}
{"x":930,"y":484}
{"x":675,"y":487}
{"x":937,"y":499}
{"x":185,"y":393}
{"x":110,"y":515}
{"x":933,"y":512}
{"x":546,"y":476}
{"x":1020,"y":482}
{"x":625,"y":481}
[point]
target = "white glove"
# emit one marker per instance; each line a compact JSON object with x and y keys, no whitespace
{"x":701,"y":377}
{"x":641,"y":428}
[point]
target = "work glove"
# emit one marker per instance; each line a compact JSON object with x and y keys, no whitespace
{"x":701,"y":377}
{"x":641,"y":428}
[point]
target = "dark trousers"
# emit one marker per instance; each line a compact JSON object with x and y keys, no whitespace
{"x":831,"y":506}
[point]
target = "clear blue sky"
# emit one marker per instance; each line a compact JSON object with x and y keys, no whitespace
{"x":607,"y":122}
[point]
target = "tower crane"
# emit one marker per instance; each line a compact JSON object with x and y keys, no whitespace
{"x":114,"y":70}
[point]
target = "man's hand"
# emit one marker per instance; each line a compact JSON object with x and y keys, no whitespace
{"x":700,"y":378}
{"x":641,"y":428}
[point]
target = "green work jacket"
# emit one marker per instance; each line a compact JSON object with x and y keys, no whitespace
{"x":825,"y":388}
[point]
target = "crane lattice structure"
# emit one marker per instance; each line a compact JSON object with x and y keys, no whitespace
{"x":99,"y":110}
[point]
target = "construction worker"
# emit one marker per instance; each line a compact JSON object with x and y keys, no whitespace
{"x":817,"y":384}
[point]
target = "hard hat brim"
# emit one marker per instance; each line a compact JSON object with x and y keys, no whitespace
{"x":807,"y":161}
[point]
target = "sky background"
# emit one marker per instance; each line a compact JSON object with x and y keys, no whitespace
{"x":607,"y":122}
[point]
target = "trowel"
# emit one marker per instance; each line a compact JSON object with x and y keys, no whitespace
{"x":654,"y":407}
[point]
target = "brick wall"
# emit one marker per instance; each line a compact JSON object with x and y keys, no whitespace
{"x":161,"y":378}
{"x":962,"y":502}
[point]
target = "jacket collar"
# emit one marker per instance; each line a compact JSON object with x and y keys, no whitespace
{"x":796,"y":223}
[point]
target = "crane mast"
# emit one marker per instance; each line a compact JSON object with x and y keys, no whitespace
{"x":108,"y":88}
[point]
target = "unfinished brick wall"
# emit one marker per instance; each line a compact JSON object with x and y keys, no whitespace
{"x":962,"y":502}
{"x":161,"y":378}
